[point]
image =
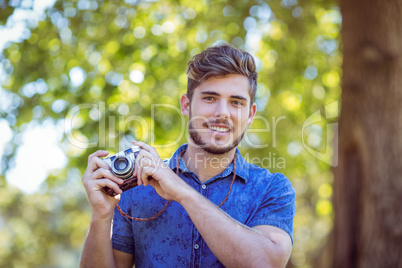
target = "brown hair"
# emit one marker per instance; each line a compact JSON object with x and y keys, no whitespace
{"x":219,"y":61}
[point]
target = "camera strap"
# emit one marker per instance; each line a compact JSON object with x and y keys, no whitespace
{"x":177,"y":173}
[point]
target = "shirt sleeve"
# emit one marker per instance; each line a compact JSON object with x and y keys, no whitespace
{"x":278,"y":206}
{"x":123,"y":237}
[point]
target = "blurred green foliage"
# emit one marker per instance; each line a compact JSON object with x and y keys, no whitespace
{"x":120,"y":58}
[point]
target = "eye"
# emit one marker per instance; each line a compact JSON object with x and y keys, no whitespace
{"x":209,"y":98}
{"x":237,"y":103}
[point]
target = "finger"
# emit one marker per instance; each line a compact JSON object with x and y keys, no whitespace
{"x":135,"y":170}
{"x":145,"y":174}
{"x":153,"y":183}
{"x":139,"y":164}
{"x":146,"y":154}
{"x":99,"y":153}
{"x":146,"y":164}
{"x":101,"y":183}
{"x":138,"y":169}
{"x":142,"y":160}
{"x":97,"y":163}
{"x":145,"y":146}
{"x":153,"y":159}
{"x":102,"y":173}
{"x":147,"y":159}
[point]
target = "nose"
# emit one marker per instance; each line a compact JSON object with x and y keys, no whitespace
{"x":222,"y":110}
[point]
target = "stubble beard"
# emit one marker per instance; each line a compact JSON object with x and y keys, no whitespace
{"x":212,"y":149}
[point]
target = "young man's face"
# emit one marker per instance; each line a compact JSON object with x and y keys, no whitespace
{"x":219,"y":113}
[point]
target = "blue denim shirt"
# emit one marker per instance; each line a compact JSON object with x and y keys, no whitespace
{"x":258,"y":197}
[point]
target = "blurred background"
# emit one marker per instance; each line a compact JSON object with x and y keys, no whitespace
{"x":78,"y":76}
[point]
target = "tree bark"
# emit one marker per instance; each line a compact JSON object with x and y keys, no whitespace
{"x":367,"y":184}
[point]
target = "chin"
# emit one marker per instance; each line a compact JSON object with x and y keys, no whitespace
{"x":217,"y":150}
{"x":214,"y":148}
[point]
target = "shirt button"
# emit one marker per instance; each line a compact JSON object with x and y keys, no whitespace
{"x":196,"y":246}
{"x":203,"y":186}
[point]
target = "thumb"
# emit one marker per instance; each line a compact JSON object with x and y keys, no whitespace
{"x":153,"y":183}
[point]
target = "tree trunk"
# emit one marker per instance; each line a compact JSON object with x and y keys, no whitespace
{"x":368,"y":180}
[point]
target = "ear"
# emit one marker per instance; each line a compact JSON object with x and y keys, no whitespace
{"x":185,"y":105}
{"x":253,"y":110}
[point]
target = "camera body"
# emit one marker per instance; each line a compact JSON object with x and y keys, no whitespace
{"x":122,"y":165}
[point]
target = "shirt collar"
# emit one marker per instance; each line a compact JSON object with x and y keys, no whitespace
{"x":242,"y":167}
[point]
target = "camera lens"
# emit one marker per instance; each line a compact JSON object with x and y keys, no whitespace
{"x":121,"y":164}
{"x":122,"y":167}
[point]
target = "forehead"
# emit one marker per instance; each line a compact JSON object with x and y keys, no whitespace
{"x":234,"y":84}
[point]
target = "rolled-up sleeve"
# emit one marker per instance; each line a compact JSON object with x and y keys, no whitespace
{"x":123,"y":238}
{"x":278,"y":207}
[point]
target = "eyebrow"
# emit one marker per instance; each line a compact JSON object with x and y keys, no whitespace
{"x":213,"y":93}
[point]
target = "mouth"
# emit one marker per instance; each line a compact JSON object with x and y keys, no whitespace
{"x":218,"y":126}
{"x":219,"y":129}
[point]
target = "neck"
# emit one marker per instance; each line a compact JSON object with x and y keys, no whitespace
{"x":206,"y":165}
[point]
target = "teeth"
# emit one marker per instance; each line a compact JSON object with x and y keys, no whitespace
{"x":219,"y":129}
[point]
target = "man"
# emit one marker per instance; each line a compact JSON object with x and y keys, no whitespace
{"x":251,"y":227}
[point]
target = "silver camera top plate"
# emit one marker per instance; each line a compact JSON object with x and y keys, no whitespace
{"x":129,"y":153}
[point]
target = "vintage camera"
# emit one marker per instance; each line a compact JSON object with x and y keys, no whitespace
{"x":122,"y":165}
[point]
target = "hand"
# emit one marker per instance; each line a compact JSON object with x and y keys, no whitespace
{"x":166,"y":183}
{"x":97,"y":176}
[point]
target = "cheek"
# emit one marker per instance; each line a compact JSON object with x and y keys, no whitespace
{"x":197,"y":118}
{"x":240,"y":117}
{"x":201,"y":109}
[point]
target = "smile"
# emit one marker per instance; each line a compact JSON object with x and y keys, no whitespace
{"x":219,"y":129}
